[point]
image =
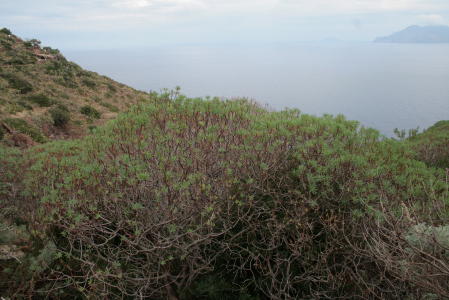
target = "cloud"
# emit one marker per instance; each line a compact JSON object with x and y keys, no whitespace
{"x":131,"y":4}
{"x":173,"y":10}
{"x":157,"y":4}
{"x":357,"y":6}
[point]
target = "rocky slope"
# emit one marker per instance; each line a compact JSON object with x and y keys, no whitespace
{"x":43,"y":96}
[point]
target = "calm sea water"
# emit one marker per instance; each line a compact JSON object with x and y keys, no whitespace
{"x":384,"y":86}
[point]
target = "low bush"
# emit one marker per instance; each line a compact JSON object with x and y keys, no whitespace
{"x":60,"y":116}
{"x":186,"y":198}
{"x":41,"y":99}
{"x":91,"y":112}
{"x":110,"y":106}
{"x":111,"y":88}
{"x":67,"y":82}
{"x":432,"y":146}
{"x":23,"y":127}
{"x":89,"y":83}
{"x":7,"y":45}
{"x":33,"y":43}
{"x":5,"y":31}
{"x":24,"y":104}
{"x":17,"y":83}
{"x":51,"y":50}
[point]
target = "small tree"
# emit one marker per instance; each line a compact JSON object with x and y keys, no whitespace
{"x":33,"y":43}
{"x":90,"y":112}
{"x":60,"y":116}
{"x":6,"y":31}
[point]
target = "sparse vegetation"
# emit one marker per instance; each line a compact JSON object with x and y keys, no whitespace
{"x":23,"y":127}
{"x":60,"y":116}
{"x":18,"y":83}
{"x":35,"y":79}
{"x":33,"y":43}
{"x":41,"y":100}
{"x":90,"y":112}
{"x":110,"y":106}
{"x":5,"y":31}
{"x":89,"y":83}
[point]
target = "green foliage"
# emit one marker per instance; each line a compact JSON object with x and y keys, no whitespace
{"x":24,"y":104}
{"x":238,"y":200}
{"x":432,"y":145}
{"x":5,"y":31}
{"x":9,"y":160}
{"x":23,"y":127}
{"x":51,"y":50}
{"x":111,"y":88}
{"x":17,"y":83}
{"x":89,"y":83}
{"x":33,"y":43}
{"x":110,"y":106}
{"x":41,"y":99}
{"x":425,"y":238}
{"x":7,"y":45}
{"x":91,"y":112}
{"x":60,"y":116}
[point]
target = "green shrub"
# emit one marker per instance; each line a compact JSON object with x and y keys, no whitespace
{"x":67,"y":82}
{"x":51,"y":50}
{"x":24,"y":104}
{"x":89,"y":83}
{"x":90,"y":112}
{"x":17,"y":83}
{"x":111,"y":88}
{"x":110,"y":106}
{"x":14,"y":108}
{"x":178,"y":192}
{"x":33,"y":43}
{"x":16,"y":61}
{"x":6,"y":44}
{"x":23,"y":127}
{"x":432,"y":146}
{"x":5,"y":31}
{"x":60,"y":116}
{"x":41,"y":99}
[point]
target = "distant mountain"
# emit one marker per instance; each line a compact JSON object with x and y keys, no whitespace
{"x":418,"y":34}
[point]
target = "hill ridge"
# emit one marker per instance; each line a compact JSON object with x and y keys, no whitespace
{"x":47,"y":97}
{"x":418,"y":34}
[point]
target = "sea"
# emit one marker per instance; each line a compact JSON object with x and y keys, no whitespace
{"x":383,"y":86}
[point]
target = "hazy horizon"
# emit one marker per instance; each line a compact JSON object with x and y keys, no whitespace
{"x":383,"y":86}
{"x":131,"y":24}
{"x":268,"y":50}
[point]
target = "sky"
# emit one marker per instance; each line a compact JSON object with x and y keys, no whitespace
{"x":118,"y":24}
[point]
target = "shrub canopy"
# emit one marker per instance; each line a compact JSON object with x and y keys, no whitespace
{"x":212,"y":199}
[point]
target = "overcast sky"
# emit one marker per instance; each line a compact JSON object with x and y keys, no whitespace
{"x":100,"y":24}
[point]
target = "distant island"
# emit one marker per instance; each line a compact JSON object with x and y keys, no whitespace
{"x":418,"y":34}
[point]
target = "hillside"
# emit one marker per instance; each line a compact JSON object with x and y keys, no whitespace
{"x":45,"y":96}
{"x":418,"y":34}
{"x":432,"y":145}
